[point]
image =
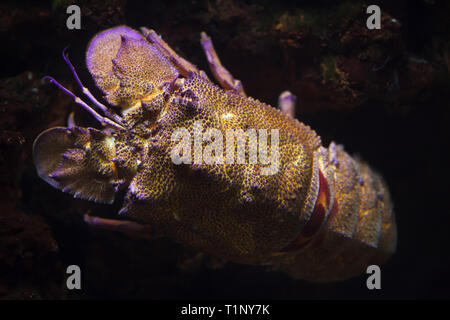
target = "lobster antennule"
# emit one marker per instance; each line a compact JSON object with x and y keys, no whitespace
{"x":103,"y":120}
{"x":108,"y":112}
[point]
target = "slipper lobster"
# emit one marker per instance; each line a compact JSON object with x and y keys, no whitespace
{"x":320,"y":215}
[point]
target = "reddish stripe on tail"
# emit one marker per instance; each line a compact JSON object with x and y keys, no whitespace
{"x":316,"y":220}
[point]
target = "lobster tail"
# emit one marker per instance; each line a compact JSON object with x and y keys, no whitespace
{"x":359,"y":229}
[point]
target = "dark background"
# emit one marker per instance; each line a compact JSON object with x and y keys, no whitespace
{"x":384,"y":94}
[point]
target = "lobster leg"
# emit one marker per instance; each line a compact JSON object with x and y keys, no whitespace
{"x":286,"y":102}
{"x":222,"y":75}
{"x":183,"y":66}
{"x":129,"y":228}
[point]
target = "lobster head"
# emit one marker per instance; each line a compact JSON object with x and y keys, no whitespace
{"x":89,"y":163}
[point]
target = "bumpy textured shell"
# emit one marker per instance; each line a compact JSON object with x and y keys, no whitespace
{"x":323,"y":216}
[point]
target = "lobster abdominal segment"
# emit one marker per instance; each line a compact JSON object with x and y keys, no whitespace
{"x":318,"y":217}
